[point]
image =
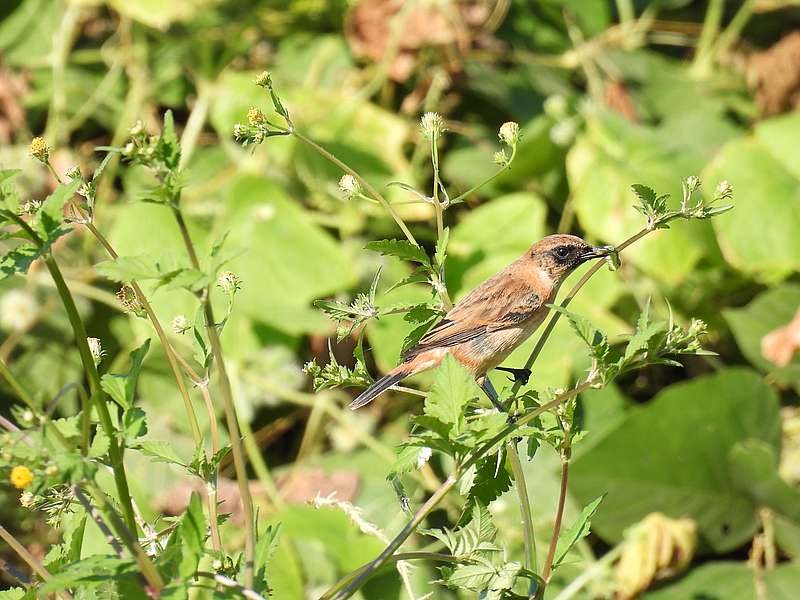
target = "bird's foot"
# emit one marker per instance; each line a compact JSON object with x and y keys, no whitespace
{"x":521,"y":375}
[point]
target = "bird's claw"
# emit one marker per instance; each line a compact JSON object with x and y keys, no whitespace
{"x":521,"y":375}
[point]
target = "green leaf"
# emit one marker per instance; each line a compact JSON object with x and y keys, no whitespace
{"x":576,"y":532}
{"x":51,"y":214}
{"x":671,"y":456}
{"x":92,"y":571}
{"x":18,"y":260}
{"x":122,"y":387}
{"x":763,"y":172}
{"x":265,"y":548}
{"x":754,"y":471}
{"x":595,"y":339}
{"x":489,"y":483}
{"x":452,"y":388}
{"x":168,"y":144}
{"x":160,"y":451}
{"x":402,"y":249}
{"x":770,"y":310}
{"x":192,"y":535}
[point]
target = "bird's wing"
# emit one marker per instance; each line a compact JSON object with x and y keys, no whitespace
{"x":499,"y":303}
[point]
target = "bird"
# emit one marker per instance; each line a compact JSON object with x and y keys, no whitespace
{"x":483,"y":328}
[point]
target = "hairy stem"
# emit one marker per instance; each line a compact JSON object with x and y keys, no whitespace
{"x":551,"y":551}
{"x":367,"y":186}
{"x":31,"y":561}
{"x":229,"y":406}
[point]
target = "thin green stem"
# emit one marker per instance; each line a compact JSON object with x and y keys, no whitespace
{"x":597,"y":569}
{"x":488,"y":180}
{"x":86,"y":420}
{"x":260,"y":466}
{"x":365,"y":571}
{"x":172,"y":359}
{"x":524,"y":506}
{"x":367,"y":186}
{"x":229,"y":407}
{"x":551,"y":551}
{"x":437,"y":206}
{"x":705,"y":43}
{"x":20,"y":391}
{"x":99,"y":397}
{"x":31,"y":561}
{"x":734,"y":29}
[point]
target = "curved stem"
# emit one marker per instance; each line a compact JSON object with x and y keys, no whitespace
{"x":34,"y":564}
{"x":551,"y":551}
{"x":367,"y":186}
{"x":525,"y":506}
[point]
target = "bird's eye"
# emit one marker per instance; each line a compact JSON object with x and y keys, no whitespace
{"x":562,"y":251}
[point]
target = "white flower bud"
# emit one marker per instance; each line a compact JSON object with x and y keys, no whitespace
{"x":431,"y":124}
{"x":692,"y":183}
{"x":180,"y":324}
{"x":509,"y":133}
{"x":229,"y":282}
{"x":724,"y":190}
{"x":349,"y":186}
{"x":96,"y":348}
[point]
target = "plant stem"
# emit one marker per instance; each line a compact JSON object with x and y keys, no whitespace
{"x":703,"y":51}
{"x":34,"y":564}
{"x":437,"y":206}
{"x":336,"y":594}
{"x":229,"y":406}
{"x":488,"y":180}
{"x":595,"y":570}
{"x":444,"y":488}
{"x":367,"y":186}
{"x":551,"y":551}
{"x":16,"y":386}
{"x":172,"y":359}
{"x":524,"y":506}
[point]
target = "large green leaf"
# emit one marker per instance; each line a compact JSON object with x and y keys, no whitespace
{"x":612,"y":155}
{"x":770,"y":310}
{"x":672,"y":456}
{"x":452,"y":388}
{"x":730,"y":581}
{"x":288,"y":260}
{"x":760,"y":236}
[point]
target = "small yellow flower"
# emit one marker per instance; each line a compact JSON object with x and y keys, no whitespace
{"x":21,"y":477}
{"x":39,"y":149}
{"x":255,"y":116}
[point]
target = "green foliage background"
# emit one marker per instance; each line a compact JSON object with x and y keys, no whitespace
{"x":704,"y":441}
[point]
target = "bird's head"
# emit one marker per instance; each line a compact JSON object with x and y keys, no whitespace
{"x":560,"y":254}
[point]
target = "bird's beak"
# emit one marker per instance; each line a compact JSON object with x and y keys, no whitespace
{"x":597,"y":252}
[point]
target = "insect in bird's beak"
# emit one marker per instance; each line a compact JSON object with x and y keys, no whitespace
{"x":598,"y":252}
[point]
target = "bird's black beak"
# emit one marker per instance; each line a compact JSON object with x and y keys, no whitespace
{"x":597,"y":252}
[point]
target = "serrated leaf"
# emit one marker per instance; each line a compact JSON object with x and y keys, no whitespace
{"x":594,"y":338}
{"x":401,"y":249}
{"x":160,"y":451}
{"x":192,"y":535}
{"x":122,"y":387}
{"x":51,"y":214}
{"x":265,"y":549}
{"x":452,"y":388}
{"x":576,"y":532}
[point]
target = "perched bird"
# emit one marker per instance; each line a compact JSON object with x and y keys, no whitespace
{"x":496,"y":317}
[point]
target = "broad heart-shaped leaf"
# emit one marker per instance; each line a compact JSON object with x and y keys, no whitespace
{"x":672,"y":456}
{"x":730,"y":581}
{"x":615,"y":153}
{"x":289,"y":261}
{"x":452,"y":388}
{"x":753,"y":466}
{"x":759,"y":237}
{"x":122,"y":387}
{"x":770,"y":310}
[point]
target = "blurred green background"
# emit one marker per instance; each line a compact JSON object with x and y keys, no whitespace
{"x":607,"y":94}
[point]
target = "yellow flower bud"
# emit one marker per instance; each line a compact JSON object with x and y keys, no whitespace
{"x":39,"y":149}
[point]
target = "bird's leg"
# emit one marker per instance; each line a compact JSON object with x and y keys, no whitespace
{"x":521,"y":375}
{"x":491,"y":393}
{"x":488,"y":388}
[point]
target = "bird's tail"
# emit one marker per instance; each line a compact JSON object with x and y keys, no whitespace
{"x":377,"y":388}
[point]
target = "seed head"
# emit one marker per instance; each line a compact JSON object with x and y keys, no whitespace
{"x":349,"y":186}
{"x":500,"y":158}
{"x":724,"y":190}
{"x":26,"y":499}
{"x":509,"y":133}
{"x":239,"y":131}
{"x":30,"y":207}
{"x":255,"y":116}
{"x":39,"y":149}
{"x":431,"y":124}
{"x":229,"y":282}
{"x":136,"y":129}
{"x":21,"y":477}
{"x":692,"y":183}
{"x":74,"y":173}
{"x":130,"y":301}
{"x":96,"y":348}
{"x":263,"y":79}
{"x":180,"y":324}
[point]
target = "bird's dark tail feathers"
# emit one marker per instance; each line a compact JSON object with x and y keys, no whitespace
{"x":377,"y":388}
